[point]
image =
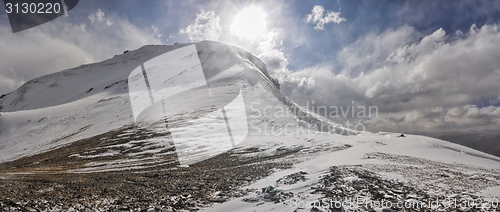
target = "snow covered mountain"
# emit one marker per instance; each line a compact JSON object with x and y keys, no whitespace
{"x":191,"y":126}
{"x":89,"y":100}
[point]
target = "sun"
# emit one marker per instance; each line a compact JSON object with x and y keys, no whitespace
{"x":250,"y":23}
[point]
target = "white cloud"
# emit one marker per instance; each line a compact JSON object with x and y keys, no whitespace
{"x":426,"y":84}
{"x":270,"y":40}
{"x":61,"y":44}
{"x":98,"y":16}
{"x":269,"y":49}
{"x":10,"y":82}
{"x":317,"y":18}
{"x":205,"y":27}
{"x":276,"y":62}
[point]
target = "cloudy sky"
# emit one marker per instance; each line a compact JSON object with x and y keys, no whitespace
{"x":428,"y":66}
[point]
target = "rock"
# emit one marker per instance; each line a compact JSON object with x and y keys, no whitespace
{"x":219,"y":200}
{"x":29,"y":209}
{"x":123,"y":208}
{"x":168,"y":209}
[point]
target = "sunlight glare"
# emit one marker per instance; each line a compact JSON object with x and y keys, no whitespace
{"x":250,"y":23}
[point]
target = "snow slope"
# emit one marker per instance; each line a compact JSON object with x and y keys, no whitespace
{"x":60,"y":108}
{"x":421,"y":169}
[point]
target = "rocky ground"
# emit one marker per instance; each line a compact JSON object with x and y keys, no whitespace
{"x":128,"y":170}
{"x":54,"y":181}
{"x":406,"y":184}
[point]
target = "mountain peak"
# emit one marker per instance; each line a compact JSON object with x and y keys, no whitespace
{"x":91,"y":99}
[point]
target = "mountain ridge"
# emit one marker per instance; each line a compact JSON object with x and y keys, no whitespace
{"x":62,"y":103}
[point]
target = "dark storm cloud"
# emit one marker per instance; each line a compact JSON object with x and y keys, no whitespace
{"x":431,"y":82}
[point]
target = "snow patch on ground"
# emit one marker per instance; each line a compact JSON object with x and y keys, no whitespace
{"x":370,"y":170}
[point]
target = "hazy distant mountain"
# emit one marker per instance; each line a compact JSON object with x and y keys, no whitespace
{"x":485,"y":142}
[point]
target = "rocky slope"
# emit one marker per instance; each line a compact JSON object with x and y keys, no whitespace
{"x":76,"y":141}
